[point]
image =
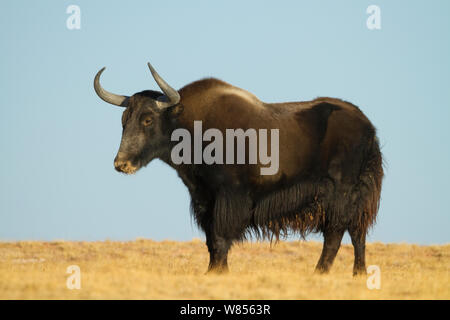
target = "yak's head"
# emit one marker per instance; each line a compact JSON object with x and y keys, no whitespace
{"x":145,"y":135}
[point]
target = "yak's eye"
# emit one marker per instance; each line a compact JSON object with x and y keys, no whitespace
{"x":147,"y":121}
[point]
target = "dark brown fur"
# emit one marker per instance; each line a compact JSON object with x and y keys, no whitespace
{"x":329,"y":177}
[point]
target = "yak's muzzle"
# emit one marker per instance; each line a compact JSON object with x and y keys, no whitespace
{"x":123,"y":165}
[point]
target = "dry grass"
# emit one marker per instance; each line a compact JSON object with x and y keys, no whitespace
{"x":146,"y":269}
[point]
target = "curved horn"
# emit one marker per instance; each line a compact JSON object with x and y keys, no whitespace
{"x":108,"y":96}
{"x":172,"y":95}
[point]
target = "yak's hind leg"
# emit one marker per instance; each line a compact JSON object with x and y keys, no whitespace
{"x":331,"y":244}
{"x":359,"y":245}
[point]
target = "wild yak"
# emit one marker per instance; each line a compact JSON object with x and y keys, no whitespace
{"x":328,"y":180}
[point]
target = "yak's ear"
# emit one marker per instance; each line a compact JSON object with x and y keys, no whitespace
{"x":176,"y":110}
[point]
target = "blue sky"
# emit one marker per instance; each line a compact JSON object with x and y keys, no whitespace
{"x":58,"y":139}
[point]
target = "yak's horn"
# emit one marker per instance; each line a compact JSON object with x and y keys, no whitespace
{"x":172,"y":95}
{"x":108,"y":96}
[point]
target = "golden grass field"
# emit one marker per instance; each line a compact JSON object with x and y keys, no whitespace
{"x":146,"y":269}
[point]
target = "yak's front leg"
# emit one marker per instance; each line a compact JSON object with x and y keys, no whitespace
{"x":228,"y":221}
{"x":218,"y":247}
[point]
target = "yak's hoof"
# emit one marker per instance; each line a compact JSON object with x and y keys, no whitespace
{"x":321,"y":270}
{"x":217,"y":270}
{"x":359,"y":273}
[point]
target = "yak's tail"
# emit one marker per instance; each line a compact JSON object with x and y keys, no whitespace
{"x":367,"y":191}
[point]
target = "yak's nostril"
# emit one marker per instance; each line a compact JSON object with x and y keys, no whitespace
{"x":120,"y":165}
